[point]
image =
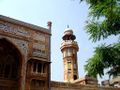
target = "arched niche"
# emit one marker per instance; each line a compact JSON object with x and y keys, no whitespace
{"x":10,"y":65}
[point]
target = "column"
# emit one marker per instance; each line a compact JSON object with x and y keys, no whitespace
{"x":21,"y":85}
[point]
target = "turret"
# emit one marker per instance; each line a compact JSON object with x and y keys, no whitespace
{"x":69,"y":49}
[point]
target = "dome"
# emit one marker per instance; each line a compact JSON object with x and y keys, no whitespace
{"x":68,"y":34}
{"x":68,"y":31}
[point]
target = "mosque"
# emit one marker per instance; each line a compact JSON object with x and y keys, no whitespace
{"x":25,"y":59}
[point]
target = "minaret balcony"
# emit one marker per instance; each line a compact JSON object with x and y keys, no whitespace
{"x":69,"y":43}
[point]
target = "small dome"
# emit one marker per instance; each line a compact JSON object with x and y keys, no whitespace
{"x":68,"y":31}
{"x":68,"y":34}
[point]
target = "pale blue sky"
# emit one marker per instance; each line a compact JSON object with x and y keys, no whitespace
{"x":61,"y":13}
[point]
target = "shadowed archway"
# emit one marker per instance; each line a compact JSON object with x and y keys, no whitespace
{"x":10,"y":59}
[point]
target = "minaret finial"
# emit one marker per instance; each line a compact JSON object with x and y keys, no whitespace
{"x":67,"y":26}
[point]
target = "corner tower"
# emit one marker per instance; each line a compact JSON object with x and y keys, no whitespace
{"x":69,"y":49}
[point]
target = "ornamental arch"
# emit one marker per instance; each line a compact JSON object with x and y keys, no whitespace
{"x":10,"y":65}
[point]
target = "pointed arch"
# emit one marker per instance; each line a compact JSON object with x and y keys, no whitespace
{"x":10,"y":65}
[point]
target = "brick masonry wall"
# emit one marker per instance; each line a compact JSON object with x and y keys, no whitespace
{"x":69,"y":86}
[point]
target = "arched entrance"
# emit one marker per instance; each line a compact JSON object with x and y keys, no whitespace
{"x":9,"y":66}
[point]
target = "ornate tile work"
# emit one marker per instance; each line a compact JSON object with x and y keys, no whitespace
{"x":39,"y":53}
{"x":39,"y":46}
{"x":39,"y":37}
{"x":20,"y":44}
{"x":6,"y":27}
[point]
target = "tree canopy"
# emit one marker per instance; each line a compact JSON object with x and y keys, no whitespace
{"x":104,"y":57}
{"x":104,"y":21}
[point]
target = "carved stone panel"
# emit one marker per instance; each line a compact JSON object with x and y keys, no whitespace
{"x":39,"y":36}
{"x":8,"y":28}
{"x":39,"y":50}
{"x":39,"y":53}
{"x":39,"y":46}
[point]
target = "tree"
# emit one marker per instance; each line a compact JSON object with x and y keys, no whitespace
{"x":104,"y":21}
{"x":104,"y":57}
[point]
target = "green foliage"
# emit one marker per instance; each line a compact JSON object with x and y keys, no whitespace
{"x":104,"y":21}
{"x":109,"y":11}
{"x":104,"y":57}
{"x":101,"y":30}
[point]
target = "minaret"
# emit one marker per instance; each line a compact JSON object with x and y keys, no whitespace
{"x":69,"y":48}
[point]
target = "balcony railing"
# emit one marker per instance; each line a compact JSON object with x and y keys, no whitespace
{"x":37,"y":75}
{"x":68,"y":42}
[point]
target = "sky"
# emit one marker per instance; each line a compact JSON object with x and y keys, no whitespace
{"x":61,"y":13}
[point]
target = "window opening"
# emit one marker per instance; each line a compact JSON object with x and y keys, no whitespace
{"x":39,"y":67}
{"x":34,"y":67}
{"x":75,"y":77}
